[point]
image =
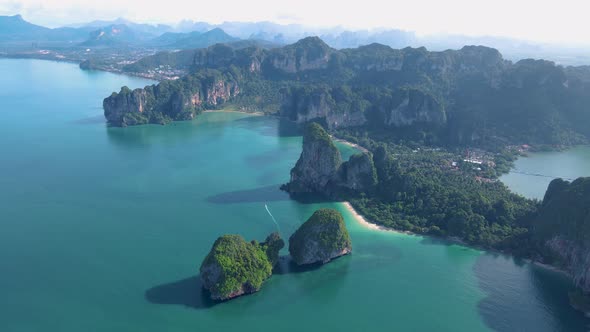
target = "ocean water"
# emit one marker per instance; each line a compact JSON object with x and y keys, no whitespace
{"x":104,"y":229}
{"x":532,"y":174}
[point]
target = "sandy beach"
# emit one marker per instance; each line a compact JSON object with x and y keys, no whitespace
{"x":349,"y":144}
{"x":363,"y":222}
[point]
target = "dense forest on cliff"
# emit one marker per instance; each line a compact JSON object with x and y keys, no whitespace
{"x":416,"y":190}
{"x":422,"y":193}
{"x":470,"y":96}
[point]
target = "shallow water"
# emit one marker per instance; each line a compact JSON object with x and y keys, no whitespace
{"x":103,"y":229}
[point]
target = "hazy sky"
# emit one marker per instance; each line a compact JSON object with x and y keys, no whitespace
{"x":540,"y":20}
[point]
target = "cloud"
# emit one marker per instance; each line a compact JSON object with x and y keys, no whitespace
{"x":562,"y":21}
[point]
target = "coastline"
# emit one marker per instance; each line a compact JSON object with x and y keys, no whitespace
{"x":345,"y":142}
{"x":369,"y":225}
{"x":78,"y":62}
{"x":234,"y":111}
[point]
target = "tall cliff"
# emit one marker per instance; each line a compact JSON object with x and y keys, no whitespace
{"x":318,"y":164}
{"x":126,"y":108}
{"x":171,"y":100}
{"x":563,"y":227}
{"x":457,"y":96}
{"x":320,"y":168}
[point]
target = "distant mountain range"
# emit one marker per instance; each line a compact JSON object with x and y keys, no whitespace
{"x":15,"y":31}
{"x":194,"y":39}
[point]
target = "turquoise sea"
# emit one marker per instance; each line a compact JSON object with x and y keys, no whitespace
{"x":104,"y":229}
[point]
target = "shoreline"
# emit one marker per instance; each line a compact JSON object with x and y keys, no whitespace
{"x":369,"y":225}
{"x":345,"y":142}
{"x":375,"y":227}
{"x":78,"y":62}
{"x":234,"y":111}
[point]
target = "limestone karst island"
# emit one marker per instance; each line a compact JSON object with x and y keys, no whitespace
{"x":312,"y":166}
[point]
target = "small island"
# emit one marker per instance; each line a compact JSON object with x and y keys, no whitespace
{"x":320,"y":239}
{"x":235,"y":267}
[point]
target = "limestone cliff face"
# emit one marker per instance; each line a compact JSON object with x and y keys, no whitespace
{"x":310,"y":53}
{"x":405,"y":107}
{"x":359,"y":173}
{"x":122,"y":109}
{"x":415,"y":106}
{"x":320,"y":239}
{"x":459,"y":96}
{"x":211,"y":94}
{"x":563,"y":226}
{"x":576,"y":258}
{"x":164,"y":102}
{"x":303,"y":105}
{"x":320,"y":168}
{"x":220,"y":92}
{"x":320,"y":160}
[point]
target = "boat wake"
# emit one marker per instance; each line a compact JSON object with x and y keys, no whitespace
{"x":273,"y":218}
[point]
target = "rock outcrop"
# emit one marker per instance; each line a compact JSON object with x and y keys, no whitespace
{"x":415,"y":106}
{"x":464,"y":96}
{"x":320,"y":239}
{"x":320,"y":168}
{"x":305,"y":104}
{"x":310,"y":53}
{"x":235,"y":267}
{"x":563,"y":226}
{"x":358,"y":173}
{"x":126,"y":108}
{"x":318,"y":164}
{"x":165,"y":102}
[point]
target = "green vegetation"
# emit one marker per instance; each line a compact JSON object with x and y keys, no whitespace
{"x":315,"y":132}
{"x":566,"y":211}
{"x":561,"y":233}
{"x":322,"y":237}
{"x":272,"y":245}
{"x":416,"y":111}
{"x":453,"y":98}
{"x":234,"y":267}
{"x":418,"y":192}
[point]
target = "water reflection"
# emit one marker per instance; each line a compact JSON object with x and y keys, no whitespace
{"x":520,"y":294}
{"x":148,"y":135}
{"x":271,"y":126}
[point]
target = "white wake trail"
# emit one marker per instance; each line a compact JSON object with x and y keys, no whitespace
{"x":273,"y":218}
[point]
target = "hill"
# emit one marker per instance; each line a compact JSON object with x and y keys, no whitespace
{"x":456,"y":97}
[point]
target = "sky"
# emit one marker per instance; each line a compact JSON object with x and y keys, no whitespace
{"x":563,"y":21}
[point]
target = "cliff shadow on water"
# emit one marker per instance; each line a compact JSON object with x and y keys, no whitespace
{"x":271,"y":126}
{"x":257,"y":195}
{"x":188,"y":292}
{"x":147,"y":135}
{"x":264,"y":194}
{"x":287,"y":265}
{"x":524,"y":294}
{"x":90,"y":120}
